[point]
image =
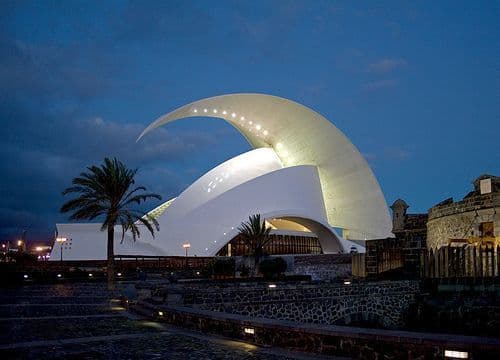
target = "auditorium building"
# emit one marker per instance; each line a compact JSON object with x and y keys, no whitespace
{"x":303,"y":175}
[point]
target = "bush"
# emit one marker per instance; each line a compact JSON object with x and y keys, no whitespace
{"x":244,"y":270}
{"x":271,"y":268}
{"x":222,"y":267}
{"x":23,"y":257}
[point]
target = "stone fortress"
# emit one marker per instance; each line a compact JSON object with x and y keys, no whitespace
{"x":473,"y":220}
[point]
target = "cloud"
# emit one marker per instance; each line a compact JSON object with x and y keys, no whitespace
{"x":386,"y":65}
{"x":42,"y":152}
{"x":48,"y":136}
{"x":379,"y":84}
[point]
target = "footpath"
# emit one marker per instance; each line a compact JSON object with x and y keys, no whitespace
{"x":85,"y":321}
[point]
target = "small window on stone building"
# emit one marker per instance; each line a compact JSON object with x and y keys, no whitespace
{"x":485,"y":186}
{"x":486,"y":229}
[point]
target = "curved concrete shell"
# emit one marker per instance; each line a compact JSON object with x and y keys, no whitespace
{"x":207,"y":214}
{"x":211,"y":224}
{"x":300,"y":136}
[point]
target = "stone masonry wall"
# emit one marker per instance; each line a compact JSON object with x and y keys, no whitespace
{"x":382,"y":309}
{"x":295,"y":292}
{"x":323,"y":267}
{"x":381,"y":302}
{"x":460,"y":225}
{"x":339,"y":341}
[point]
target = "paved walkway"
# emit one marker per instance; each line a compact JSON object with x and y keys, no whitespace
{"x":77,"y":331}
{"x":67,"y":317}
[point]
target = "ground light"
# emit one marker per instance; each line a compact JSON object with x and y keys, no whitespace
{"x":25,"y":276}
{"x":59,"y":276}
{"x":160,"y":313}
{"x":453,"y":354}
{"x":347,"y":282}
{"x":119,"y":274}
{"x":249,"y":330}
{"x":271,"y":286}
{"x":90,"y":275}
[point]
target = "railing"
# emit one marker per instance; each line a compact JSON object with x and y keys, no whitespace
{"x":467,"y":261}
{"x":121,"y":262}
{"x":162,"y":262}
{"x":358,"y":265}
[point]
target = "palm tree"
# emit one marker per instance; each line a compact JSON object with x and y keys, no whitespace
{"x":255,"y":234}
{"x":108,"y":192}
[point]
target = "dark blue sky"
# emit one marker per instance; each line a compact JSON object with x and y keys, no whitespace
{"x":416,"y":87}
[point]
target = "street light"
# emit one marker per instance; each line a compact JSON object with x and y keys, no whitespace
{"x":186,"y":246}
{"x":39,"y":249}
{"x":61,"y":241}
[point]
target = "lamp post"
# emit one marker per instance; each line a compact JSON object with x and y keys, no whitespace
{"x":61,"y":241}
{"x":7,"y":259}
{"x":186,"y":246}
{"x":19,"y":246}
{"x":39,"y":249}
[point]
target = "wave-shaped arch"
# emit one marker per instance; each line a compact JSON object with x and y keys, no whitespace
{"x":300,"y":136}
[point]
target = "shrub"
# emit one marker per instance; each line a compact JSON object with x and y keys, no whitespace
{"x":244,"y":270}
{"x":223,"y":267}
{"x":23,"y":257}
{"x":271,"y":268}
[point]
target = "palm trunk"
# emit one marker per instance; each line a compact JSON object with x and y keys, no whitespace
{"x":111,"y":258}
{"x":256,"y":258}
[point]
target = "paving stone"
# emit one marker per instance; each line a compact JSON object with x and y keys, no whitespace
{"x":57,"y":328}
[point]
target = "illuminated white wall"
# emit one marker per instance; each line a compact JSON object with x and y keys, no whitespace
{"x":293,"y":191}
{"x":224,"y":177}
{"x":206,"y":215}
{"x":88,"y":242}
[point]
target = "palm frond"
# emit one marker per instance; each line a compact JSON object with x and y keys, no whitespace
{"x":106,"y":192}
{"x":255,"y":234}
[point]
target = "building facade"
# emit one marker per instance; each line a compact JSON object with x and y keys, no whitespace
{"x":411,"y":232}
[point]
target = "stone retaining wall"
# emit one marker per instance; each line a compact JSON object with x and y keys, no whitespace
{"x":328,"y":340}
{"x":385,"y":310}
{"x":297,"y":292}
{"x":323,"y":267}
{"x":383,"y":303}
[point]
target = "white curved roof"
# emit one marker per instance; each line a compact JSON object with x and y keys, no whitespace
{"x":209,"y":220}
{"x":352,"y":197}
{"x":252,"y":183}
{"x":223,"y":178}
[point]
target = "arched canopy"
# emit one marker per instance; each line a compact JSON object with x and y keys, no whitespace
{"x":300,"y":136}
